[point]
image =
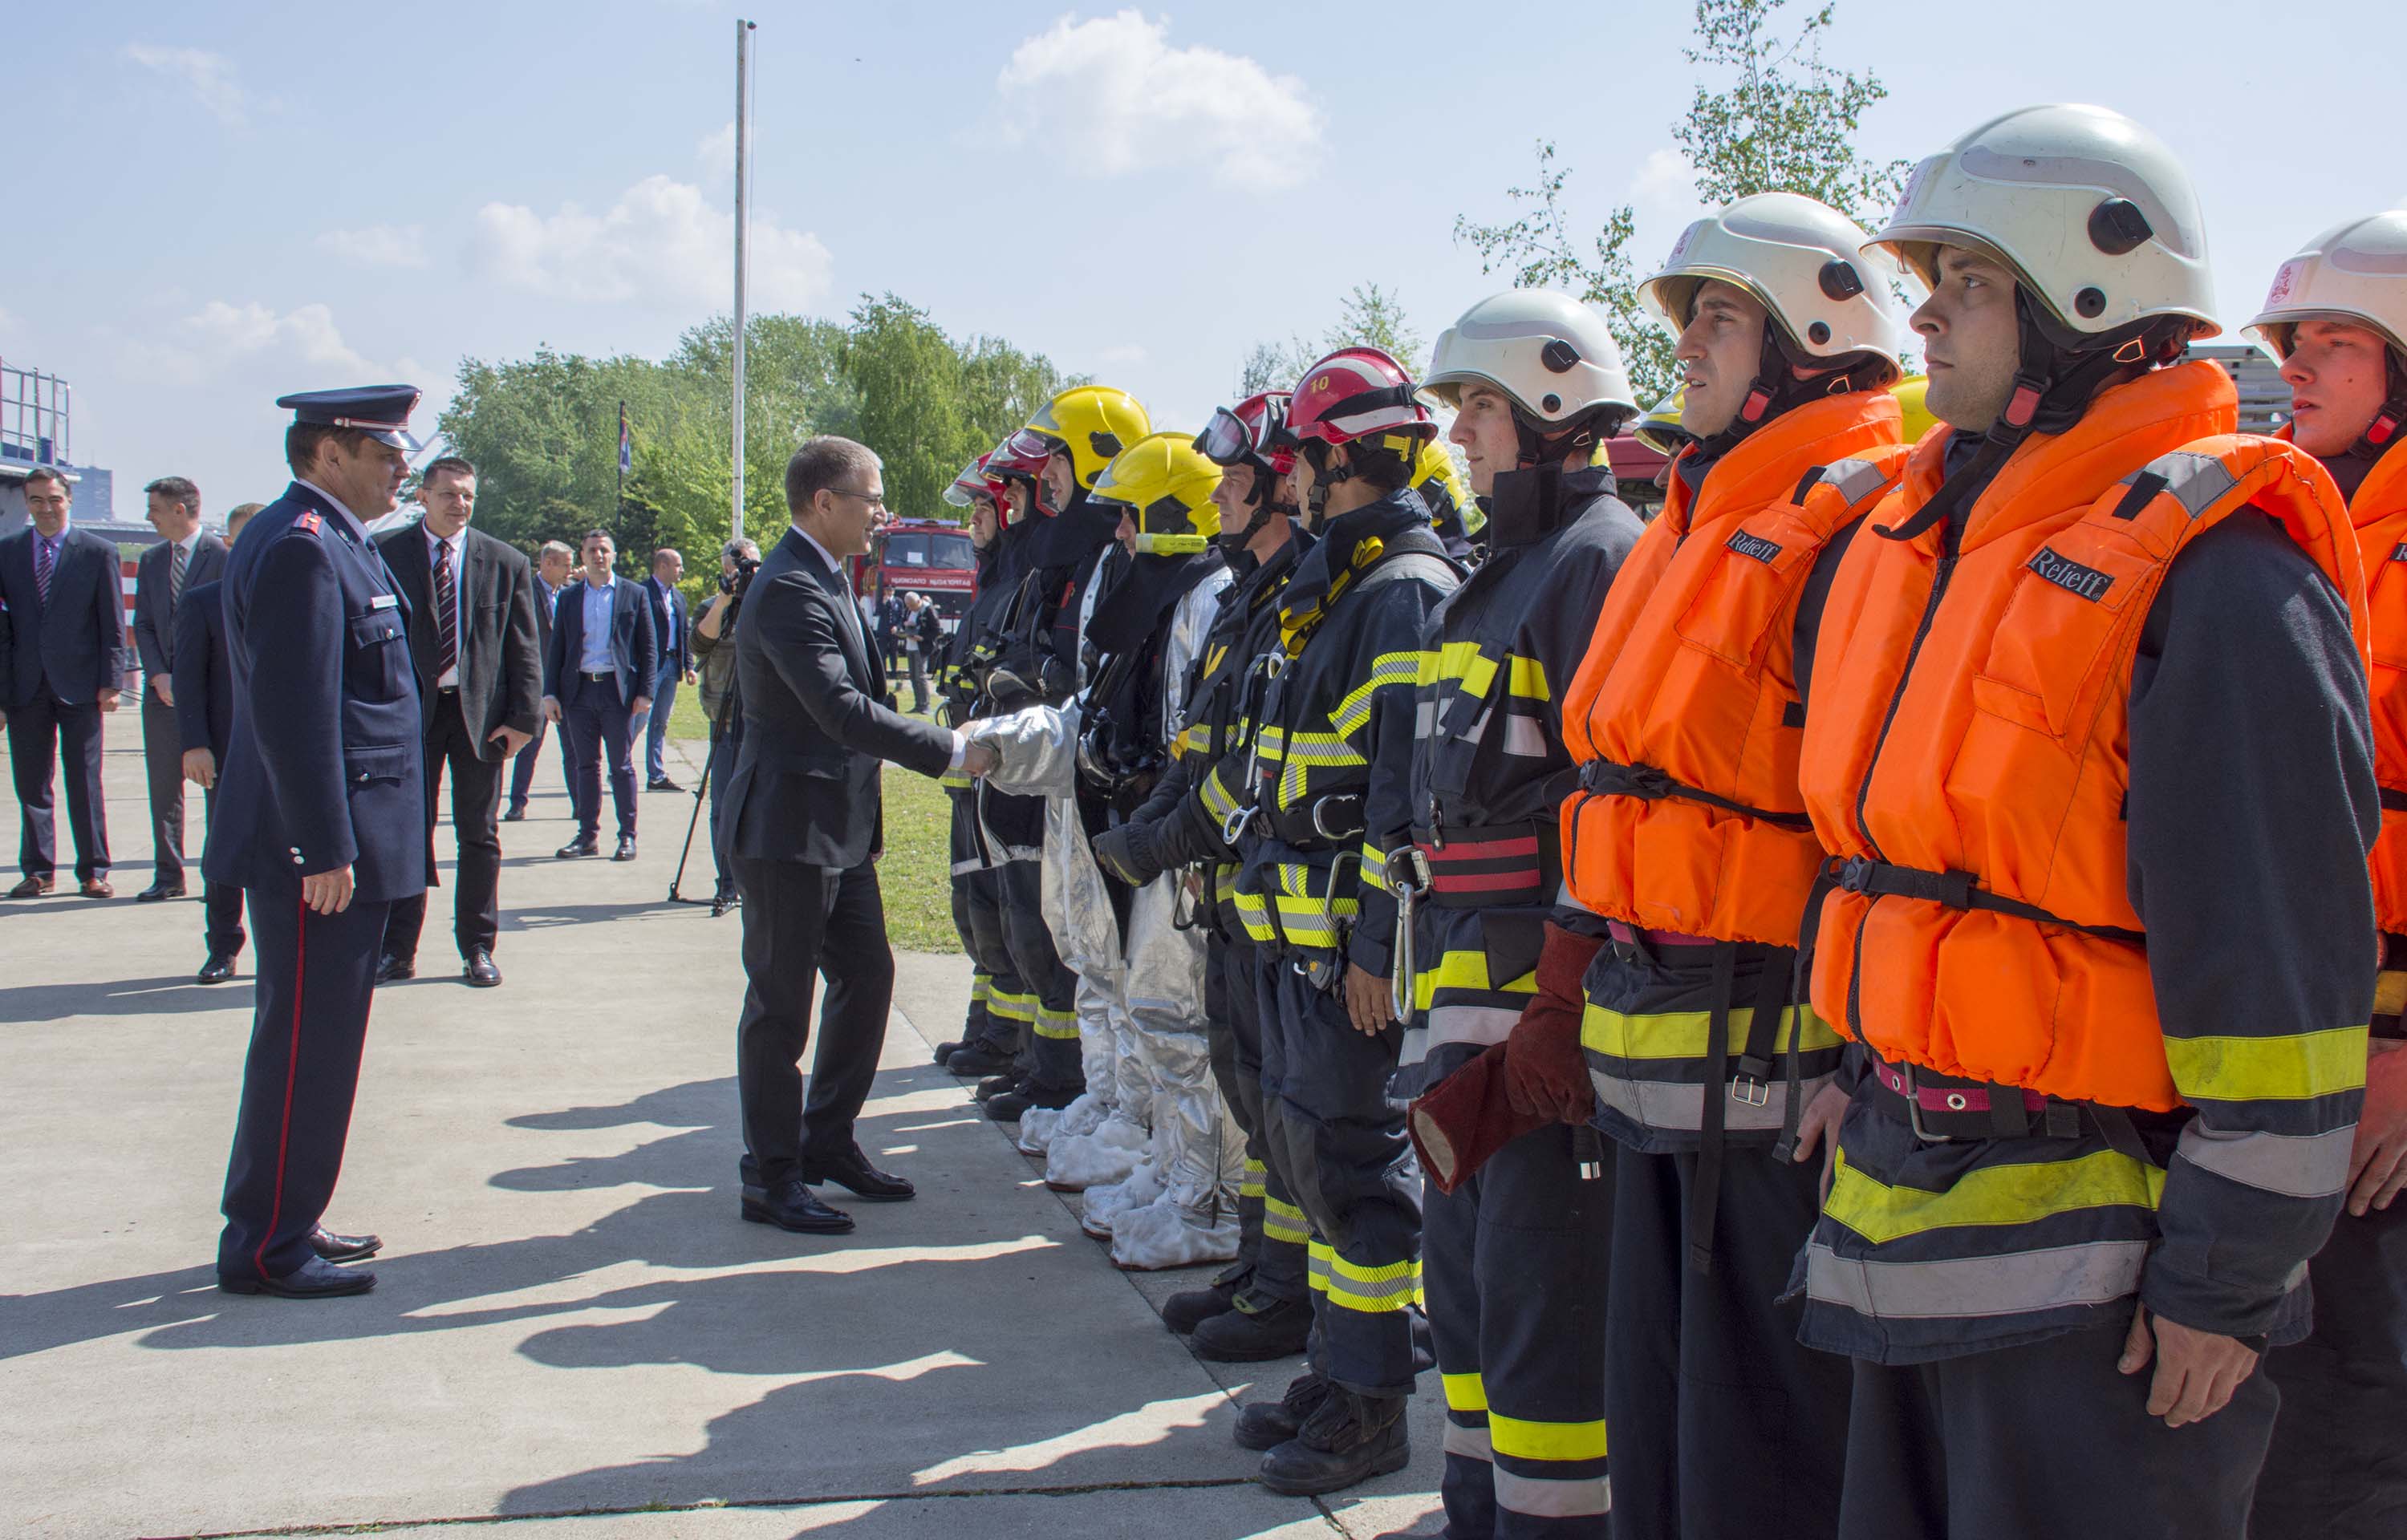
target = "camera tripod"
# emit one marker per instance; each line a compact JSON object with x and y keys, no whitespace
{"x":719,"y":906}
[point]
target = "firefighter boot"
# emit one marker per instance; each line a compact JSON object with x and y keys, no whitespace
{"x":1252,"y":1331}
{"x":1348,"y":1440}
{"x":1265,"y":1426}
{"x":1184,"y":1311}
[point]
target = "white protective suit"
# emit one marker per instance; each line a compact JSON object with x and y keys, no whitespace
{"x":1161,"y":1161}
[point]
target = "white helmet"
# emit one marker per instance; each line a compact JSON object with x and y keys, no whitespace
{"x":1803,"y":259}
{"x":2090,"y":210}
{"x":2353,"y":272}
{"x":1552,"y":355}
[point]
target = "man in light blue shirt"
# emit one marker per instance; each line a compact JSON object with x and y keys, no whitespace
{"x":597,"y":683}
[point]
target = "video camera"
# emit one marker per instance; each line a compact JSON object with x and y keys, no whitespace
{"x":735,"y":584}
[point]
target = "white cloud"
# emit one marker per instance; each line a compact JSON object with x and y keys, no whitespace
{"x":209,"y":76}
{"x":661,"y":245}
{"x":378,"y":245}
{"x":716,"y":154}
{"x":220,"y":338}
{"x":1663,"y":181}
{"x":1116,"y":97}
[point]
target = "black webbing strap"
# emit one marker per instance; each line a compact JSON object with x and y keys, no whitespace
{"x":1607,"y":778}
{"x":1957,"y":890}
{"x":2392,"y":800}
{"x":1705,"y":1199}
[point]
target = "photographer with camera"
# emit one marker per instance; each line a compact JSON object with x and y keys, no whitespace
{"x":739,"y":561}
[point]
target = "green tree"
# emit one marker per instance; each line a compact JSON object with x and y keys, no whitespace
{"x":1769,"y":114}
{"x":1368,"y":317}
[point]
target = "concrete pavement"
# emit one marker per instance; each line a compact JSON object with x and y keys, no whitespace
{"x":570,"y":1320}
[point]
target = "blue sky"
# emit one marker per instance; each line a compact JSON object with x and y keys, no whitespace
{"x":224,"y":202}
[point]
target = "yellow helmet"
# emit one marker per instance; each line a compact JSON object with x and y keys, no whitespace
{"x":1658,"y":427}
{"x":1909,"y":394}
{"x":1439,"y":481}
{"x":1165,"y":485}
{"x":1094,"y":422}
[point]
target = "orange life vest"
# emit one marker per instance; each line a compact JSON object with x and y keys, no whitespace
{"x":1690,"y":673}
{"x":1970,"y":735}
{"x":2379,"y":510}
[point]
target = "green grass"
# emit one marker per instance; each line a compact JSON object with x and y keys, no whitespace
{"x":916,"y":873}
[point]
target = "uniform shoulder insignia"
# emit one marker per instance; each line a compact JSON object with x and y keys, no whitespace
{"x":310,"y":522}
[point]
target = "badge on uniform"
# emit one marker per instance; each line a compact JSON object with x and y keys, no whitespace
{"x":310,"y":522}
{"x":382,"y":601}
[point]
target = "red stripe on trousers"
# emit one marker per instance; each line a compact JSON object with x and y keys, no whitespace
{"x":291,"y":1065}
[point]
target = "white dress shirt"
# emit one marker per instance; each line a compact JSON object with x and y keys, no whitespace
{"x":459,"y":545}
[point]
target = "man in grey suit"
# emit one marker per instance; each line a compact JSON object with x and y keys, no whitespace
{"x":186,"y":557}
{"x":803,"y":828}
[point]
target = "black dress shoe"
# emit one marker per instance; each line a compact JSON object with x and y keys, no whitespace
{"x":479,"y":970}
{"x":626,"y":851}
{"x":158,"y":891}
{"x":852,"y":1171}
{"x":578,"y":847}
{"x":663,"y":783}
{"x":792,"y":1206}
{"x":394,"y":968}
{"x":33,"y":887}
{"x":217,"y":970}
{"x":514,"y":815}
{"x":331,"y":1247}
{"x":316,"y":1278}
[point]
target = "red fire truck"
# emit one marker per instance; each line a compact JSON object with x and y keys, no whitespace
{"x":924,"y":555}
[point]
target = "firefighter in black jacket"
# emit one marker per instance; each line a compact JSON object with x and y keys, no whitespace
{"x":1514,"y":1257}
{"x":1259,"y":1308}
{"x":1327,"y":804}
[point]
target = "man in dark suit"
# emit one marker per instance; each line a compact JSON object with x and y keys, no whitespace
{"x":603,"y":657}
{"x":676,"y":662}
{"x":321,"y":819}
{"x":204,"y":685}
{"x":66,"y":615}
{"x":553,"y":562}
{"x":802,"y":827}
{"x":185,"y":557}
{"x":472,"y":639}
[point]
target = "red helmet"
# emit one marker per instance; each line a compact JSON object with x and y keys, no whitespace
{"x":1022,"y":456}
{"x":1252,"y":432}
{"x":973,"y":484}
{"x":1355,"y":393}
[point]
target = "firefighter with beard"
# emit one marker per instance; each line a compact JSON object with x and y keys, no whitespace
{"x":1001,"y":1010}
{"x":2088,"y":740}
{"x":1066,"y":956}
{"x":1259,"y":1308}
{"x":1513,"y":1256}
{"x":1671,"y":975}
{"x":2337,"y":318}
{"x":1325,"y":805}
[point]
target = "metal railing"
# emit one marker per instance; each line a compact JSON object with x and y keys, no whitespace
{"x":35,"y":411}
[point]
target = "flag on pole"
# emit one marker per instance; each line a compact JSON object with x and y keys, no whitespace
{"x":626,"y":442}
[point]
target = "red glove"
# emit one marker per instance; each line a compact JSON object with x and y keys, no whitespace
{"x":1546,"y":1075}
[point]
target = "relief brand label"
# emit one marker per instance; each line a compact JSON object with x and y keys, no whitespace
{"x":1756,"y":546}
{"x":2072,"y":576}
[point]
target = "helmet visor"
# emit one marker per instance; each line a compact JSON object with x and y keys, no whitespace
{"x":1024,"y":454}
{"x":1226,"y":439}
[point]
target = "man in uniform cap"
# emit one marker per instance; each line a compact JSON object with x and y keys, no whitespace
{"x":320,"y":818}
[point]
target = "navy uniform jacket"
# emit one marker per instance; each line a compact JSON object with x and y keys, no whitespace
{"x":323,"y":768}
{"x":635,"y":647}
{"x":204,"y":677}
{"x":76,"y":643}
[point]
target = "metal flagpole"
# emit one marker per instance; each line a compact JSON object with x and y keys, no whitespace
{"x":743,"y":144}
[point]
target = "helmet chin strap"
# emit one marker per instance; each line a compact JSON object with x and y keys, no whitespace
{"x":2054,"y":383}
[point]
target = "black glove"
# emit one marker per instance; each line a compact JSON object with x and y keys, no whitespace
{"x":1131,"y":854}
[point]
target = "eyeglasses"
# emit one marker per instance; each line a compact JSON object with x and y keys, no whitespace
{"x":876,"y":500}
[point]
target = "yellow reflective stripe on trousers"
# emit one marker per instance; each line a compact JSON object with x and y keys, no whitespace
{"x":1511,"y":1436}
{"x":1682,"y":1034}
{"x":981,"y":986}
{"x":1375,"y":1289}
{"x":1465,"y":1392}
{"x":2294,"y":1067}
{"x":1250,"y":1184}
{"x":1057,"y":1023}
{"x":1285,"y":1222}
{"x":1011,"y":1007}
{"x":1466,"y":971}
{"x":1992,"y":1195}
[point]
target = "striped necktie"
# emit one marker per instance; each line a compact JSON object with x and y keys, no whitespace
{"x":447,"y":612}
{"x":176,"y":560}
{"x":44,"y":556}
